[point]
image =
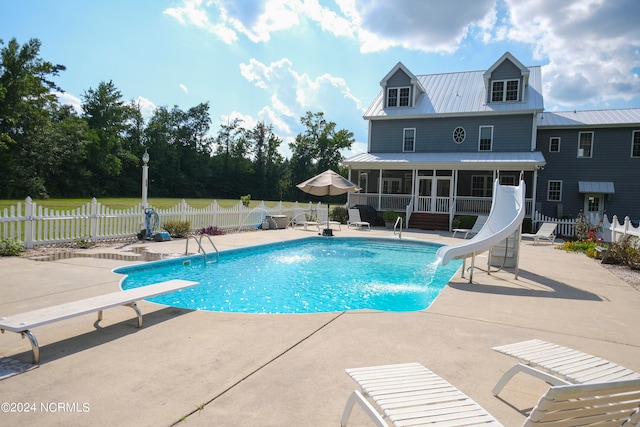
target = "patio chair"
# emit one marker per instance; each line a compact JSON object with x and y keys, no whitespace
{"x":355,"y":221}
{"x":300,"y":218}
{"x":559,"y":365}
{"x":323,"y":219}
{"x":547,"y":232}
{"x":477,"y":226}
{"x":410,"y":394}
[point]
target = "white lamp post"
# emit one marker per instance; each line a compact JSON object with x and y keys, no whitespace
{"x":145,"y":178}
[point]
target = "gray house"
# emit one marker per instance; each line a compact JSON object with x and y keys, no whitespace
{"x":437,"y":142}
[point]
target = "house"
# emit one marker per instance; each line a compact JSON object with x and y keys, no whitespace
{"x":437,"y":142}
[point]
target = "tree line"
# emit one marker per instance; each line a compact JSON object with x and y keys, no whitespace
{"x":49,"y":150}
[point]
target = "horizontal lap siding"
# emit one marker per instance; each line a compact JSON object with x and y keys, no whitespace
{"x":510,"y":133}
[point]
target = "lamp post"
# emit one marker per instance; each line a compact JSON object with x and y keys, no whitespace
{"x":145,"y":178}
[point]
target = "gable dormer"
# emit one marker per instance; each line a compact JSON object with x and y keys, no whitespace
{"x":506,"y":80}
{"x":401,"y":88}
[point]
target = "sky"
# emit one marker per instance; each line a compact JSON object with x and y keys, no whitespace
{"x":274,"y":60}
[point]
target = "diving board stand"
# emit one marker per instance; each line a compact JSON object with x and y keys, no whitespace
{"x":24,"y":322}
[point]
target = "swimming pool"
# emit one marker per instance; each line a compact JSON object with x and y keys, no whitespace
{"x":310,"y":275}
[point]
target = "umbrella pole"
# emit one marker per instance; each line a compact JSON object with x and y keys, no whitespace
{"x":328,"y":231}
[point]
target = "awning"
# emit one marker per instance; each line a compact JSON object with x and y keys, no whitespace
{"x":600,"y":187}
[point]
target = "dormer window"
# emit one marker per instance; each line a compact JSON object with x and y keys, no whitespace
{"x":398,"y":96}
{"x":505,"y":90}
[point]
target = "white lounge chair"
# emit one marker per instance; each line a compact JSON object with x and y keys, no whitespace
{"x":300,"y":218}
{"x":355,"y":221}
{"x":547,"y":232}
{"x":477,"y":226}
{"x":410,"y":394}
{"x":24,"y":322}
{"x":323,"y":219}
{"x":559,"y":365}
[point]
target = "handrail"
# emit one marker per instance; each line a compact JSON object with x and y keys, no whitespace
{"x":398,"y":220}
{"x":200,"y":247}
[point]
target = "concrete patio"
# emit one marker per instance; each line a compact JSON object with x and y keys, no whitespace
{"x":202,"y":368}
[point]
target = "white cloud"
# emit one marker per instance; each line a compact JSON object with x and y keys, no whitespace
{"x":589,"y":46}
{"x":184,"y":88}
{"x":66,"y":98}
{"x":147,"y":108}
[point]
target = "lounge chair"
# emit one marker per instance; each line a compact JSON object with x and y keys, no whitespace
{"x":559,"y":365}
{"x":355,"y":221}
{"x":323,"y":219}
{"x":477,"y":226}
{"x":410,"y":394}
{"x":300,"y":218}
{"x":547,"y":232}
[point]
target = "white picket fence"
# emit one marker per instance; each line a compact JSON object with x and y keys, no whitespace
{"x":35,"y":225}
{"x":610,"y":231}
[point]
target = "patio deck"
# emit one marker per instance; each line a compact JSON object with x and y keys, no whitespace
{"x":288,"y":370}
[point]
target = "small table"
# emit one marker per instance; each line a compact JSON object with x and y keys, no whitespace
{"x":277,"y":221}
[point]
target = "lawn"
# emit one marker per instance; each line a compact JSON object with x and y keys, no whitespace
{"x":126,"y":203}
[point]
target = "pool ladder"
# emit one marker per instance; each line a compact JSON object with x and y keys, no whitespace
{"x":200,"y":247}
{"x":395,"y":226}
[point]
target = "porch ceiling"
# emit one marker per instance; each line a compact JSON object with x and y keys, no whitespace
{"x":455,"y":161}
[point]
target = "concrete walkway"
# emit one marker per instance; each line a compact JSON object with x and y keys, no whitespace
{"x":222,"y":369}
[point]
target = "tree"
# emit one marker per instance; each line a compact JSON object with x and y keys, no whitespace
{"x":26,"y":102}
{"x":267,"y":163}
{"x":107,"y":114}
{"x":318,"y":148}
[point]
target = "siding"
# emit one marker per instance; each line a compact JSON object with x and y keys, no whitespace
{"x":510,"y":133}
{"x":611,"y":161}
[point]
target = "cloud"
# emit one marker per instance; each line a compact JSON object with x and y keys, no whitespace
{"x":590,"y":47}
{"x":147,"y":108}
{"x":66,"y":98}
{"x":184,"y":88}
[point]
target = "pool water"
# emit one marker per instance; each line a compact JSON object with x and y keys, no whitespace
{"x":310,"y":275}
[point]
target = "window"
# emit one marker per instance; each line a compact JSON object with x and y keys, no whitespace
{"x":458,"y":135}
{"x":409,"y":139}
{"x":481,"y":186}
{"x":391,"y":185}
{"x":635,"y":144}
{"x":486,"y":136}
{"x":505,"y":90}
{"x":585,"y":144}
{"x":398,"y":96}
{"x":554,"y":191}
{"x":507,"y":180}
{"x":554,"y":144}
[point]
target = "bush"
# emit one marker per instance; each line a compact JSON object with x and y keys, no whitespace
{"x":464,"y":221}
{"x":177,"y":229}
{"x":340,"y":213}
{"x":11,"y":247}
{"x":624,"y":251}
{"x":212,"y":231}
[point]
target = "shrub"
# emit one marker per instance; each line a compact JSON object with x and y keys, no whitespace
{"x":212,"y":231}
{"x":625,"y":251}
{"x":245,"y":200}
{"x":463,"y":221}
{"x":11,"y":247}
{"x":84,"y":243}
{"x":340,"y":213}
{"x":177,"y":228}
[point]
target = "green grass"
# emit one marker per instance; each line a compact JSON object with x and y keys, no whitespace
{"x":126,"y":203}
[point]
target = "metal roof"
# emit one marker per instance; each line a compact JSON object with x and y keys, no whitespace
{"x":596,"y":187}
{"x":629,"y":116}
{"x":461,"y":93}
{"x":527,"y":160}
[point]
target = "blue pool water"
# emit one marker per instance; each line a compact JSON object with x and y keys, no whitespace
{"x":310,"y":275}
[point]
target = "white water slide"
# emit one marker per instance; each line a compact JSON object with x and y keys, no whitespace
{"x":505,"y":218}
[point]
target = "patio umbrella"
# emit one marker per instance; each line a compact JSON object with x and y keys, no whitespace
{"x":328,"y":183}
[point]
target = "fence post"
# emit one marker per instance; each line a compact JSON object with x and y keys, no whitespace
{"x":29,"y":224}
{"x":627,"y":224}
{"x":614,"y":228}
{"x":94,"y":219}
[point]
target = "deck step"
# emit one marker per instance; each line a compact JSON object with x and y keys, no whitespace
{"x":429,"y":221}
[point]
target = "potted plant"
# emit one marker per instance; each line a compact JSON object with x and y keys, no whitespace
{"x":390,"y":218}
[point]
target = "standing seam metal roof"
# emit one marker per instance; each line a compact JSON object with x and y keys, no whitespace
{"x":459,"y":94}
